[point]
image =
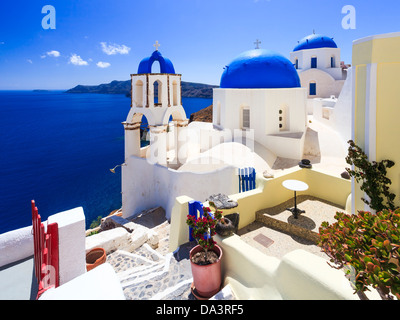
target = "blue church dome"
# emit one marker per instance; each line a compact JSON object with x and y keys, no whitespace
{"x":260,"y":68}
{"x":166,"y":65}
{"x":315,"y":41}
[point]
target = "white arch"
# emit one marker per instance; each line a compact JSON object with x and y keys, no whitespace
{"x":177,"y":113}
{"x":135,"y":116}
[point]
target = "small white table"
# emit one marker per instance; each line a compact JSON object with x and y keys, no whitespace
{"x":295,"y":185}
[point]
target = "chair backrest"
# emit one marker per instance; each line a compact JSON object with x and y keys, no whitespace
{"x":196,"y":211}
{"x":247,"y":179}
{"x":46,"y":255}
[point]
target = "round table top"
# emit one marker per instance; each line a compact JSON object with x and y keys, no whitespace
{"x":295,"y":185}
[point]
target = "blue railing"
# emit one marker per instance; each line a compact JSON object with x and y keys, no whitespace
{"x":247,"y":179}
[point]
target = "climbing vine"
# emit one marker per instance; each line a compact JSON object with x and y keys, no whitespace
{"x":372,"y":176}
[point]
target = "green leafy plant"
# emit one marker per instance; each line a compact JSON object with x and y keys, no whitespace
{"x":95,"y":223}
{"x":372,"y":176}
{"x":203,"y":228}
{"x":370,"y":243}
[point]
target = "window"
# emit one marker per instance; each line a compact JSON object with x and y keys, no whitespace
{"x":296,"y":63}
{"x":313,"y":89}
{"x":332,"y":62}
{"x":314,"y":62}
{"x":283,"y":118}
{"x":157,"y":93}
{"x":245,"y":118}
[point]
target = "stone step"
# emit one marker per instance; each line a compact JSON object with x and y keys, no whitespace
{"x":170,"y":282}
{"x":147,"y":274}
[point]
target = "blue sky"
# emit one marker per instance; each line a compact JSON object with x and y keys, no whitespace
{"x":99,"y":41}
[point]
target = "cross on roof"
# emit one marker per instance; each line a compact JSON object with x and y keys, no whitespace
{"x":156,"y":45}
{"x":257,"y":43}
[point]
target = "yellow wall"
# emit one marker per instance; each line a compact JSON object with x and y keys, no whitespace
{"x":388,"y":116}
{"x":384,"y":51}
{"x":377,"y":49}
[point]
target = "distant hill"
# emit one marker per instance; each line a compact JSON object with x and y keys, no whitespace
{"x":189,"y":89}
{"x":203,"y":115}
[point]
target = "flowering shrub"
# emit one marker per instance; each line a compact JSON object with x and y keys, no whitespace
{"x":370,"y":243}
{"x":203,"y":228}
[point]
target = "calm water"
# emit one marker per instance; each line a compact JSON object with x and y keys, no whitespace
{"x":57,"y":149}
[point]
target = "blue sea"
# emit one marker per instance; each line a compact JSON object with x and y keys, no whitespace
{"x":57,"y":149}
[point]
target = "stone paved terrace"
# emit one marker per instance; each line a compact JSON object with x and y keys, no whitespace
{"x":274,"y":231}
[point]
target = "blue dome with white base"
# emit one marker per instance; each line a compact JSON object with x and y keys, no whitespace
{"x":166,"y":65}
{"x":315,"y":41}
{"x":260,"y":69}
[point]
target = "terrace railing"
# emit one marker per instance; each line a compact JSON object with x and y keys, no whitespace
{"x":247,"y":179}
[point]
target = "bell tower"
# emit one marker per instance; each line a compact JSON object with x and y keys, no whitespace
{"x":157,"y":96}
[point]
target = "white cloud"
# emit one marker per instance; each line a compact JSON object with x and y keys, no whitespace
{"x":53,"y":53}
{"x":111,"y":49}
{"x":29,"y":60}
{"x":102,"y":64}
{"x":77,"y":60}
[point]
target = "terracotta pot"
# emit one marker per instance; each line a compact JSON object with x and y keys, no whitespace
{"x":95,"y":257}
{"x":206,"y":278}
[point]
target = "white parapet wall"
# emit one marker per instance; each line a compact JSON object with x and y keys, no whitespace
{"x":71,"y":239}
{"x":101,"y":283}
{"x":299,"y":275}
{"x":16,"y":245}
{"x":145,"y":185}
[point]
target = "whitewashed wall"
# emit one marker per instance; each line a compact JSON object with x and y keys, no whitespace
{"x":146,"y":186}
{"x":323,"y":60}
{"x":326,"y":84}
{"x":264,"y":106}
{"x":16,"y":245}
{"x":340,"y":114}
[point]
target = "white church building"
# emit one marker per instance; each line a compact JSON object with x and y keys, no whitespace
{"x":260,"y":115}
{"x":260,"y":91}
{"x":317,"y":60}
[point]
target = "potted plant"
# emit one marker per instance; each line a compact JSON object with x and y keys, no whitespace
{"x":205,"y":257}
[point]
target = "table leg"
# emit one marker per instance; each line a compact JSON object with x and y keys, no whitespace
{"x":295,"y":211}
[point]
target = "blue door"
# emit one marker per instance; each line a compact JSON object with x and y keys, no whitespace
{"x":313,"y":89}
